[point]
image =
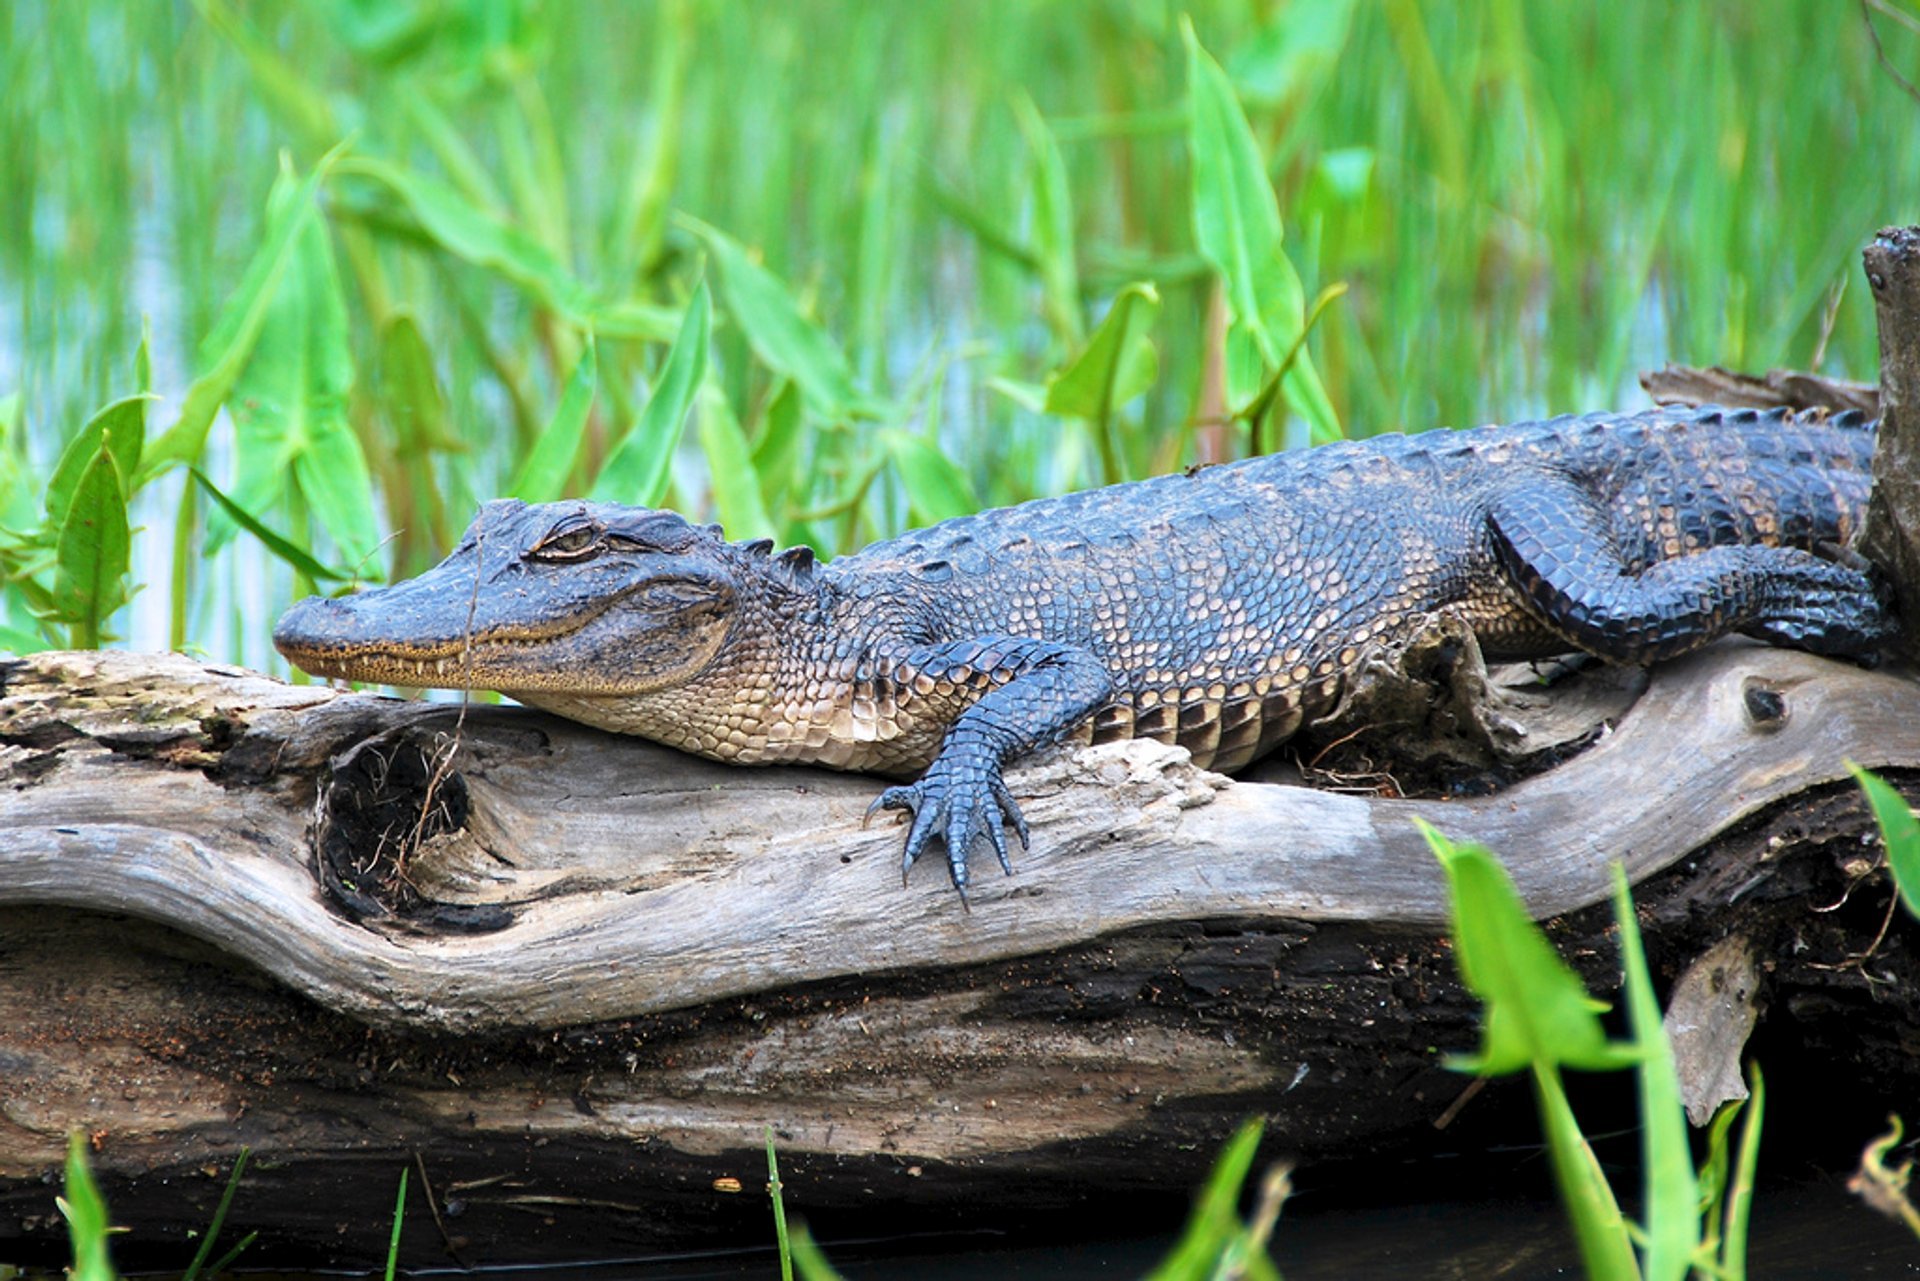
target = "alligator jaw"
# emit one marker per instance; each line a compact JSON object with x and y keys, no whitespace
{"x":326,"y":637}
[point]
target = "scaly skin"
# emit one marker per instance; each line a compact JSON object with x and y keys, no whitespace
{"x":1221,"y":610}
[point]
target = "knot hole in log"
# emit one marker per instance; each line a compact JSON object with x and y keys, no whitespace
{"x":384,"y":806}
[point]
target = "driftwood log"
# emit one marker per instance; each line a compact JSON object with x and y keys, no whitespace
{"x":572,"y":995}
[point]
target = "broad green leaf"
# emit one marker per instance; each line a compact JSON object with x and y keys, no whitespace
{"x":1672,"y":1193}
{"x":1236,"y":225}
{"x":289,"y":404}
{"x":638,"y":469}
{"x":121,"y":429}
{"x":227,"y":348}
{"x":91,"y":551}
{"x":1052,"y":223}
{"x":1899,"y":830}
{"x":1537,"y":1012}
{"x":543,"y":476}
{"x":936,"y":488}
{"x":1117,"y":364}
{"x":285,"y":548}
{"x":86,"y":1215}
{"x":736,"y":486}
{"x":787,"y":341}
{"x":474,"y":235}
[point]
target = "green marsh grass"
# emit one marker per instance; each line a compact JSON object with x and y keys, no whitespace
{"x":957,"y":254}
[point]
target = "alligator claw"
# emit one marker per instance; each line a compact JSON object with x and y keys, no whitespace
{"x":955,"y":804}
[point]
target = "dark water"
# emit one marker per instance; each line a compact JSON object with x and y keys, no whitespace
{"x":1807,"y":1231}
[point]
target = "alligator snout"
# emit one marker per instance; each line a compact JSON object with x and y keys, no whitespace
{"x":317,"y":623}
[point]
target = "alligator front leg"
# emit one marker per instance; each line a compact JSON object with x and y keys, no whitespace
{"x":1036,"y":692}
{"x":1556,"y":546}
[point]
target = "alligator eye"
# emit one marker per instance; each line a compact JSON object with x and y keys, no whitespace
{"x":568,"y":542}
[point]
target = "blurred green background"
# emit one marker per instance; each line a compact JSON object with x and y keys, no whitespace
{"x":956,"y":254}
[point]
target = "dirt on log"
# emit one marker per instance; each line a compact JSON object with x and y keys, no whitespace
{"x":568,"y":978}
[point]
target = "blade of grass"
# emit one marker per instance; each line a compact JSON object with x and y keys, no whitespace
{"x":1118,"y":363}
{"x":292,"y":553}
{"x":1599,"y":1229}
{"x":543,"y":476}
{"x":212,"y":1234}
{"x":399,"y":1217}
{"x":1733,"y":1249}
{"x":86,"y":1215}
{"x":638,"y":469}
{"x":779,"y":1210}
{"x":1672,"y":1194}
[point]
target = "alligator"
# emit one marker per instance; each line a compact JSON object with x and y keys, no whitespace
{"x":1223,"y":609}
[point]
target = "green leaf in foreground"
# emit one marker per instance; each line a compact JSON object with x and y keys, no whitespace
{"x":1214,"y":1229}
{"x":787,"y":341}
{"x":226,"y":349}
{"x":543,"y":476}
{"x":91,"y":551}
{"x":1899,"y":830}
{"x":637,"y":471}
{"x":1236,"y":226}
{"x":1539,"y":1017}
{"x":86,"y":1215}
{"x":287,"y":550}
{"x":1672,"y":1193}
{"x":1537,"y":1010}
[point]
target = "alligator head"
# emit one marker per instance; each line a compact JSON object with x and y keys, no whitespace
{"x":584,"y":599}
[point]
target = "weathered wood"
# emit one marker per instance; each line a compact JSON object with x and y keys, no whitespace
{"x":1776,"y":389}
{"x":610,"y":965}
{"x":1892,"y":536}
